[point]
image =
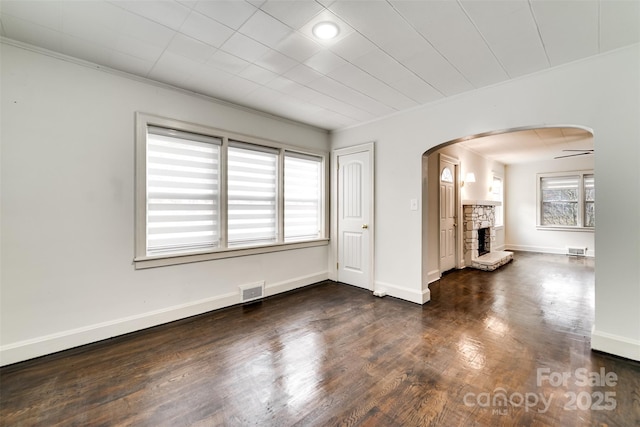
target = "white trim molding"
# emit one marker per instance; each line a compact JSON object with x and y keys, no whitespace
{"x":411,"y":295}
{"x":433,"y":276}
{"x":615,"y":344}
{"x":41,"y":346}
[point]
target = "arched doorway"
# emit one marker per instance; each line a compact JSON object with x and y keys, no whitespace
{"x":487,"y":157}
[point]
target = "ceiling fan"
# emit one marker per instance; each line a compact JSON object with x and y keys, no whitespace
{"x":580,"y":153}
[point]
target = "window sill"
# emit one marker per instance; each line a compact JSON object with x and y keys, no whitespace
{"x":166,"y":260}
{"x":582,"y":229}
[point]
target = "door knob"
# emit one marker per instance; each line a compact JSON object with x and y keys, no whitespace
{"x":365,"y":226}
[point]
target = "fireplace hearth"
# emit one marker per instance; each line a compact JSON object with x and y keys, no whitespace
{"x":479,"y":236}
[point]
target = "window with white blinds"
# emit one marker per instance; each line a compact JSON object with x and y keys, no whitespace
{"x":182,"y":191}
{"x":204,"y":193}
{"x":566,"y":200}
{"x":252,"y":194}
{"x":302,"y":197}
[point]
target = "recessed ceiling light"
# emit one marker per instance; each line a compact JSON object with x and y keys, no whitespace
{"x":325,"y":30}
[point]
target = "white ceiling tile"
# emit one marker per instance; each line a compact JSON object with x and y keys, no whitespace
{"x":224,"y":61}
{"x":265,"y":29}
{"x":95,"y":13}
{"x":165,"y":12}
{"x":244,"y":47}
{"x":28,"y":32}
{"x":382,"y":66}
{"x":44,"y":13}
{"x":326,"y":3}
{"x":325,"y":62}
{"x":417,"y":89}
{"x":258,"y":74}
{"x":366,"y":17}
{"x":191,"y":48}
{"x":327,"y":102}
{"x":359,"y":80}
{"x":94,"y":22}
{"x":283,"y":85}
{"x":302,"y":74}
{"x":353,"y":46}
{"x":174,"y":69}
{"x":510,"y":30}
{"x":130,"y":64}
{"x":207,"y":79}
{"x":463,"y":47}
{"x":238,"y":86}
{"x":232,"y":13}
{"x":80,"y":48}
{"x":276,"y":62}
{"x":349,"y":96}
{"x":206,"y":29}
{"x":147,"y":31}
{"x":569,"y":29}
{"x":256,"y":3}
{"x":435,"y":70}
{"x":138,"y":48}
{"x":298,"y":47}
{"x":293,"y":13}
{"x":189,"y":3}
{"x":619,"y":24}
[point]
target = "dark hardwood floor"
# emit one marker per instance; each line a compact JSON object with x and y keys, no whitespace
{"x":490,"y":349}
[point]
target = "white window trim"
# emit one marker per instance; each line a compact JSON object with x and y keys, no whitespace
{"x":142,"y":260}
{"x":581,"y":202}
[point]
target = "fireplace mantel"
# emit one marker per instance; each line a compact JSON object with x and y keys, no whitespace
{"x":481,"y":203}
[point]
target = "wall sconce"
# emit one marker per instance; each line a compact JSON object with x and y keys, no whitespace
{"x":470,"y":177}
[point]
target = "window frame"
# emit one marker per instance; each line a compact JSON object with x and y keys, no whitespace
{"x":143,"y":260}
{"x":581,"y":200}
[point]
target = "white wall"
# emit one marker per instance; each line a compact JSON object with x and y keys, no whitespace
{"x":600,"y":93}
{"x":520,"y":216}
{"x":483,"y":170}
{"x":68,"y":209}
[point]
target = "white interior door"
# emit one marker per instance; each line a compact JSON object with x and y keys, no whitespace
{"x":448,"y":220}
{"x":354,"y":219}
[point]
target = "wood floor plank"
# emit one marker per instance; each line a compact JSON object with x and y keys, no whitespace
{"x":334,"y":355}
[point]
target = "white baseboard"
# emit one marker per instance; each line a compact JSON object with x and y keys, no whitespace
{"x":433,"y":276}
{"x":299,"y":282}
{"x":52,"y":343}
{"x":544,"y":249}
{"x":404,"y":293}
{"x":615,"y":344}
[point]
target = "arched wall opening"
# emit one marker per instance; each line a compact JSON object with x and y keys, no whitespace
{"x":525,"y":157}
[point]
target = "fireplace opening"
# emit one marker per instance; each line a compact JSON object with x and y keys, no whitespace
{"x":484,"y":241}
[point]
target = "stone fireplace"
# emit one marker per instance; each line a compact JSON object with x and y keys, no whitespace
{"x":480,"y":236}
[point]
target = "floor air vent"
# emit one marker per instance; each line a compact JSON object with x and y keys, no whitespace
{"x":577,"y":251}
{"x":252,"y":292}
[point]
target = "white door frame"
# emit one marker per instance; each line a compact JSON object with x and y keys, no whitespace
{"x":458,"y":228}
{"x":333,"y":260}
